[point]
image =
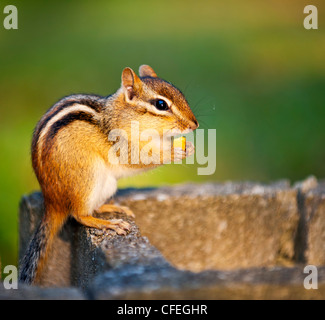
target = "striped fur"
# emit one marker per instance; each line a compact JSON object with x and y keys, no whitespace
{"x":93,"y":102}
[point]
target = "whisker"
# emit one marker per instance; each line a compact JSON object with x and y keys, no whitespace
{"x":204,"y":115}
{"x":187,"y":86}
{"x":203,"y":124}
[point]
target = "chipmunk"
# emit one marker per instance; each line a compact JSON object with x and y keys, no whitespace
{"x":70,"y":148}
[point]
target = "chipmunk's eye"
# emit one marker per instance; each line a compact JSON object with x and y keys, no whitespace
{"x":160,"y":104}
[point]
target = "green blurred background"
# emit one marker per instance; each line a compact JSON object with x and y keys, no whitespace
{"x":249,"y":68}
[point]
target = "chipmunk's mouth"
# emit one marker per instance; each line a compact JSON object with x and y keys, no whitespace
{"x":175,"y":133}
{"x":168,"y":137}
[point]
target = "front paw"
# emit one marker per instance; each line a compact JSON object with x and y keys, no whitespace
{"x":180,"y":154}
{"x":189,"y":148}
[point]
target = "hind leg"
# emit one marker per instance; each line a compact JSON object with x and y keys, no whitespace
{"x":108,"y":207}
{"x":118,"y":225}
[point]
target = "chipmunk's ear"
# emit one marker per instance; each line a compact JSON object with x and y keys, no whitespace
{"x":131,"y":83}
{"x":147,"y":71}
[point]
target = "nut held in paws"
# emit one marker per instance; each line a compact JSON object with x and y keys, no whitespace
{"x":180,"y":143}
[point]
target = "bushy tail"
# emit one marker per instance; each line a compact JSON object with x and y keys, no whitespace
{"x":37,"y":251}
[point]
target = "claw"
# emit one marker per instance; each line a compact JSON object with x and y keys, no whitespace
{"x":189,"y":148}
{"x":119,"y":226}
{"x":179,"y":154}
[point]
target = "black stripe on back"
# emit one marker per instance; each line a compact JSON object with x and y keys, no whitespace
{"x":66,"y":120}
{"x":90,"y":101}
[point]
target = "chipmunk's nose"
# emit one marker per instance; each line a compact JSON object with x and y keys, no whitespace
{"x":194,"y":124}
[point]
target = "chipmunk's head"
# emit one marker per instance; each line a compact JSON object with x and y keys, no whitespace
{"x":156,"y":103}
